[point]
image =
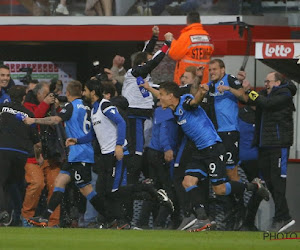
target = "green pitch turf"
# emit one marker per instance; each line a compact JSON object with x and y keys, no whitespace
{"x":85,"y":239}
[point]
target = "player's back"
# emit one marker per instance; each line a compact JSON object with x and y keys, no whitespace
{"x":78,"y":126}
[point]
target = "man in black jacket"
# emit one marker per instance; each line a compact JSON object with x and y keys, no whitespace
{"x":274,"y":136}
{"x":17,"y":142}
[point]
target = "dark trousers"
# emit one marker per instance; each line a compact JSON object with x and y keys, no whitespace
{"x":159,"y":172}
{"x":11,"y":171}
{"x":111,"y":176}
{"x":273,"y":164}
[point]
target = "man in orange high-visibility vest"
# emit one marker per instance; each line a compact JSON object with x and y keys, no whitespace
{"x":193,"y":47}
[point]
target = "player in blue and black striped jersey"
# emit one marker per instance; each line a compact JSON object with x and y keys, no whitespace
{"x":223,"y":95}
{"x":208,"y":160}
{"x":76,"y":116}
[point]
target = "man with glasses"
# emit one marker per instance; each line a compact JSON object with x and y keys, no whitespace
{"x":274,"y":136}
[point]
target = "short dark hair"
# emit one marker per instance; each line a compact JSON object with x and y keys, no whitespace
{"x":171,"y":88}
{"x":218,"y":61}
{"x":193,"y":17}
{"x":109,"y":88}
{"x":139,"y":58}
{"x":17,"y":93}
{"x":74,"y":88}
{"x":95,"y":85}
{"x":2,"y":66}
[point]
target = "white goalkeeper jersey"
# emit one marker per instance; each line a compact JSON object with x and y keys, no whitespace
{"x":132,"y":93}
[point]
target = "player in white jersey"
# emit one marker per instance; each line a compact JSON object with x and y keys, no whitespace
{"x":140,"y":103}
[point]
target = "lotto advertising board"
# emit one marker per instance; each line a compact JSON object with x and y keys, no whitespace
{"x":42,"y":71}
{"x":277,"y":50}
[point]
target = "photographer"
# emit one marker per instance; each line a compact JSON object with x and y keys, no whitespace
{"x":31,"y":85}
{"x":39,"y":102}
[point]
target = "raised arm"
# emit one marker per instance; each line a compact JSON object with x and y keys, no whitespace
{"x":150,"y":45}
{"x":144,"y":70}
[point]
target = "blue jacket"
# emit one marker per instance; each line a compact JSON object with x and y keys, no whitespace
{"x":4,"y":97}
{"x":164,"y":131}
{"x":247,"y":130}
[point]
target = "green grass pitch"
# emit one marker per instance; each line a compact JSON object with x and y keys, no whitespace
{"x":85,"y":239}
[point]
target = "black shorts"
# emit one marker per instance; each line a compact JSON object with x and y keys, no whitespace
{"x":208,"y":162}
{"x":231,"y":143}
{"x":80,"y":172}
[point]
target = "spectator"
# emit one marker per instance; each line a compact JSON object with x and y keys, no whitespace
{"x":188,"y":6}
{"x":117,"y":68}
{"x":4,"y":81}
{"x":193,"y":47}
{"x":31,"y":85}
{"x":160,"y":5}
{"x":236,"y":6}
{"x":93,"y":8}
{"x":39,"y":174}
{"x":111,"y":78}
{"x":98,"y":7}
{"x":107,"y":7}
{"x":274,"y":136}
{"x":62,"y":8}
{"x":17,"y":142}
{"x":189,"y":75}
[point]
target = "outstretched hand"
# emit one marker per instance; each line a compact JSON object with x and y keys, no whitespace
{"x":28,"y":120}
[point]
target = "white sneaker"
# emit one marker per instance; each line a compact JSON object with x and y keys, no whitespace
{"x":61,"y":9}
{"x":165,"y":199}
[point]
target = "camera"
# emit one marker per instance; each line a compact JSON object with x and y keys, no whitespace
{"x":54,"y":90}
{"x":27,"y":78}
{"x":98,"y":71}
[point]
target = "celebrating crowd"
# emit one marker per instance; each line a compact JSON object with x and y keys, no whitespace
{"x":120,"y":137}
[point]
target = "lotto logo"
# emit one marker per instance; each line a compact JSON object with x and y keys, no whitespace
{"x":278,"y":50}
